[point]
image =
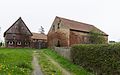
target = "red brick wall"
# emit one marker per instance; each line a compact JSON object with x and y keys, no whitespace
{"x":74,"y":39}
{"x":81,"y":38}
{"x":78,"y":38}
{"x":53,"y":38}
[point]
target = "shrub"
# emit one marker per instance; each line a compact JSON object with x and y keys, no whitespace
{"x":96,"y":37}
{"x":102,"y":59}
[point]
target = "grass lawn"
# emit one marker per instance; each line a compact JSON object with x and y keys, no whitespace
{"x":15,"y":61}
{"x":64,"y":63}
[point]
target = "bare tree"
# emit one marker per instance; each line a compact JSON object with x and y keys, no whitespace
{"x":41,"y":30}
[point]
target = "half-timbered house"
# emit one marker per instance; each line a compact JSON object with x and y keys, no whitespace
{"x":18,"y":35}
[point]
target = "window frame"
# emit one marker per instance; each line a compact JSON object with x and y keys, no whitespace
{"x":10,"y":42}
{"x":19,"y":43}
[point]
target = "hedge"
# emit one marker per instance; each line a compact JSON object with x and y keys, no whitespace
{"x":101,"y":59}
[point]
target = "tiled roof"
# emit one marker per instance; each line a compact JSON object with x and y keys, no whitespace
{"x":79,"y":25}
{"x":39,"y":36}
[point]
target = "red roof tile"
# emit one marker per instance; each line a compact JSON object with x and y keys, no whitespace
{"x":79,"y":25}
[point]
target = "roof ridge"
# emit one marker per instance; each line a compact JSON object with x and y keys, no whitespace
{"x":72,"y":24}
{"x":74,"y":21}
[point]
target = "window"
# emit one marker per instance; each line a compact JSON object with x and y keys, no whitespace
{"x":58,"y":43}
{"x":18,"y":43}
{"x":53,"y":27}
{"x":58,"y":25}
{"x":26,"y":43}
{"x":10,"y":42}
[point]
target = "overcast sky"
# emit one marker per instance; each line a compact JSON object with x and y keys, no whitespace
{"x":104,"y":14}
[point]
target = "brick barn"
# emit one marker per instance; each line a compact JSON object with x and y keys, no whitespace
{"x":65,"y":32}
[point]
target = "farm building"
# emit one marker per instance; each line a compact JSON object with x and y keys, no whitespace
{"x":39,"y":40}
{"x":19,"y":36}
{"x":65,"y":32}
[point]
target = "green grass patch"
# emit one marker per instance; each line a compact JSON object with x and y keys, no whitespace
{"x":76,"y":70}
{"x":15,"y":61}
{"x":47,"y":66}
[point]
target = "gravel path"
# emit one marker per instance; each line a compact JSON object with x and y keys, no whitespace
{"x":36,"y":66}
